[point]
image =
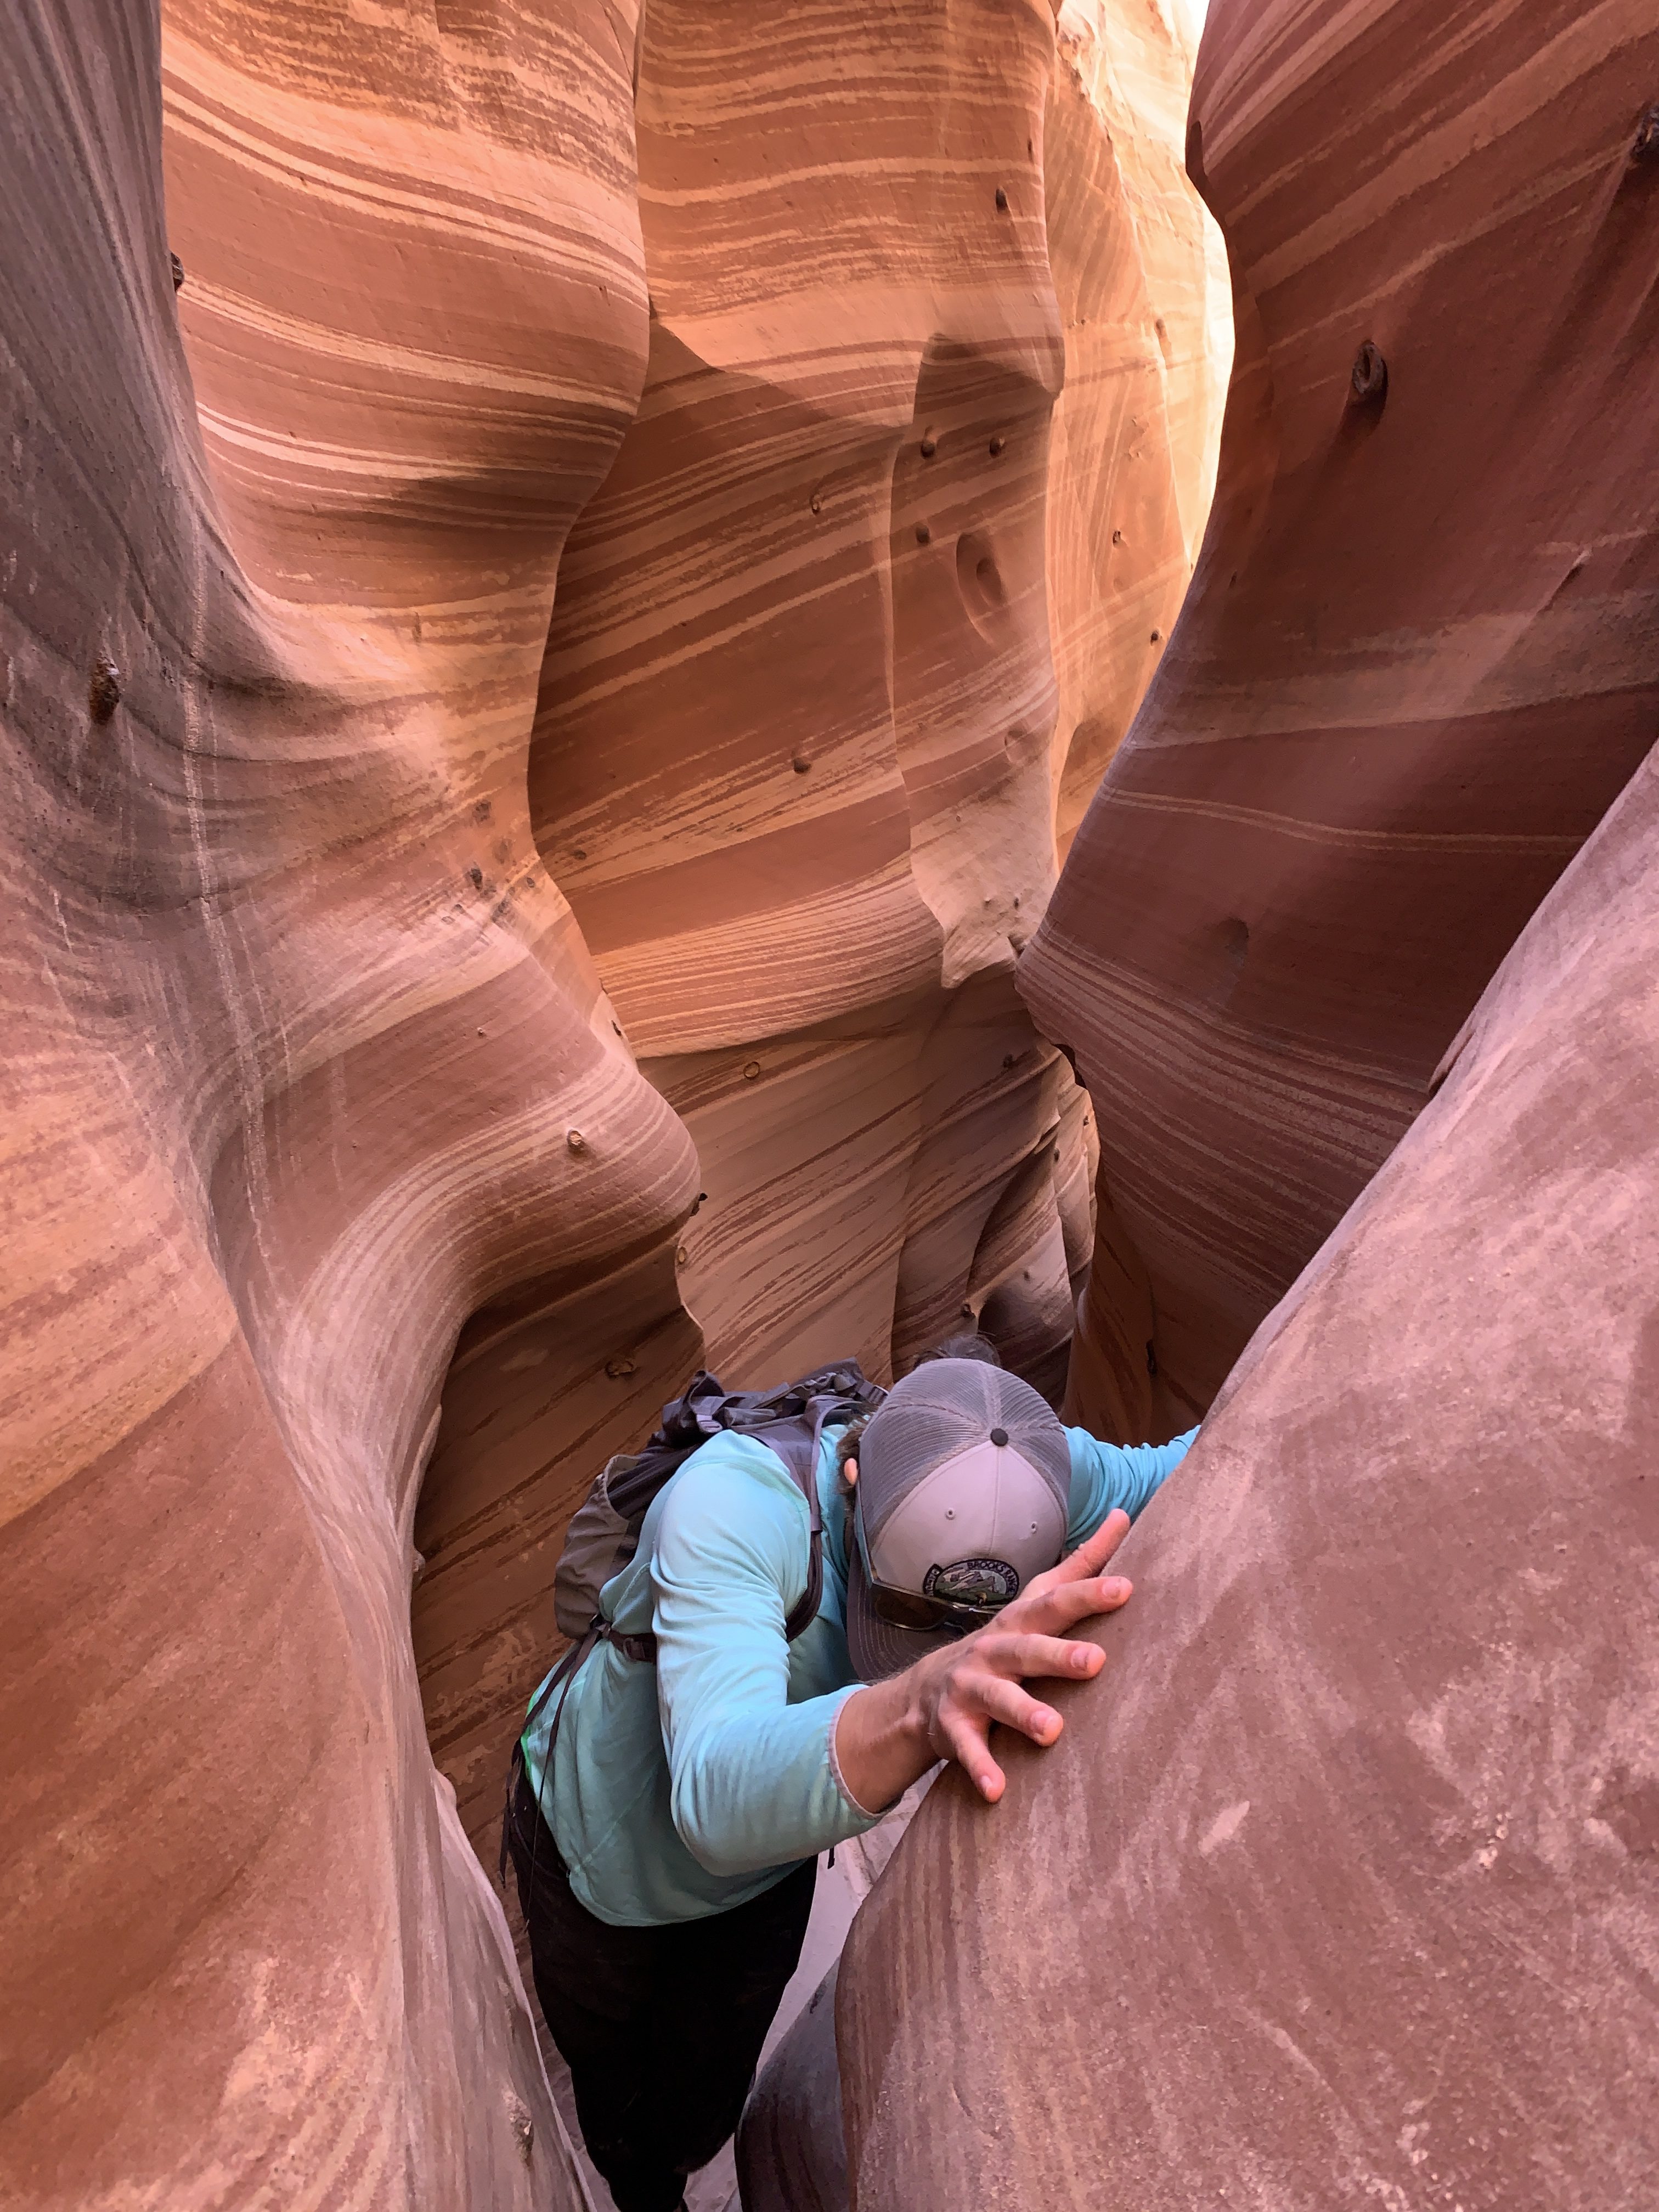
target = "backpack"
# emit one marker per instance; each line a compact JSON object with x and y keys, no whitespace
{"x":604,"y":1534}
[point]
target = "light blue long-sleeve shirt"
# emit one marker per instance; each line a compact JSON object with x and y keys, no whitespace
{"x":686,"y":1787}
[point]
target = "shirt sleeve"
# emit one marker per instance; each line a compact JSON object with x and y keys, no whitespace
{"x":752,"y":1784}
{"x":1107,"y":1476}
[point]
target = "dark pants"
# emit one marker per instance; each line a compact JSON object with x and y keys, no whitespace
{"x":661,"y":2028}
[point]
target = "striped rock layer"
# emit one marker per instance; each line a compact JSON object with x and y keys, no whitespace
{"x":298,"y":1025}
{"x":824,"y":641}
{"x":345,"y":1232}
{"x":1416,"y":662}
{"x":1144,"y":306}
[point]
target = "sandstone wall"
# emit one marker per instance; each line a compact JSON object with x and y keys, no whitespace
{"x":297,"y":1026}
{"x":821,"y":642}
{"x":1146,"y":310}
{"x":1417,"y":661}
{"x":345,"y":1233}
{"x":1338,"y":1890}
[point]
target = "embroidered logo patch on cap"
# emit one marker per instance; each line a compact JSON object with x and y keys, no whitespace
{"x":973,"y":1582}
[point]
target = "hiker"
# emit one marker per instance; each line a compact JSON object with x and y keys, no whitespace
{"x":783,"y":1655}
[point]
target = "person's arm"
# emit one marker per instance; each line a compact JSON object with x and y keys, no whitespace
{"x":888,"y":1733}
{"x":1115,"y":1477}
{"x":752,"y":1780}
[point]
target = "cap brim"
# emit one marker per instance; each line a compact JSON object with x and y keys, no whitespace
{"x":878,"y":1648}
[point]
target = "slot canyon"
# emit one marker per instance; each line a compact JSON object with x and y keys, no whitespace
{"x":694,"y":685}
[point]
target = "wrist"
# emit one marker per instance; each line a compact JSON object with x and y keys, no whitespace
{"x":915,"y":1721}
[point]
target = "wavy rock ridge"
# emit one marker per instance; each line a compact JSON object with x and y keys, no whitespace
{"x":270,"y":884}
{"x":319,"y":1069}
{"x":1416,"y":663}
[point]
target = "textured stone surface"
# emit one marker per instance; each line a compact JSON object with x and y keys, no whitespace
{"x":1338,"y":1889}
{"x":297,"y":1027}
{"x":314,"y":1071}
{"x":1416,"y":662}
{"x":796,"y":768}
{"x":1145,"y":307}
{"x":790,"y":763}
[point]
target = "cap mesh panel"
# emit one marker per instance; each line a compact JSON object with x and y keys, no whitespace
{"x":945,"y":1405}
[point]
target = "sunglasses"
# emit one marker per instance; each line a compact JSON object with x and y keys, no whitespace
{"x":912,"y":1609}
{"x":902,"y":1608}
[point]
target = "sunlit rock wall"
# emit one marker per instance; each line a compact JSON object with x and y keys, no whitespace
{"x":1142,"y":277}
{"x":820,"y":644}
{"x":1417,"y":661}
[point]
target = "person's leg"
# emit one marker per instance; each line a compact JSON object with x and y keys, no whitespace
{"x":661,"y":2028}
{"x":717,"y":1985}
{"x":596,"y":1984}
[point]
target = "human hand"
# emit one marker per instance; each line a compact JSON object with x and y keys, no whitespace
{"x":959,"y":1692}
{"x":890,"y":1732}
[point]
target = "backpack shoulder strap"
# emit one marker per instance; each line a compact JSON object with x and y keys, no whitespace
{"x":834,"y":1395}
{"x":805,"y":1612}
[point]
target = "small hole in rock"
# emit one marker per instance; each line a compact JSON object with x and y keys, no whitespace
{"x":104,"y":689}
{"x":1368,"y":380}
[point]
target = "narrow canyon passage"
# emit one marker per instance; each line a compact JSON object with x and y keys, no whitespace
{"x":824,"y":644}
{"x":650,"y":720}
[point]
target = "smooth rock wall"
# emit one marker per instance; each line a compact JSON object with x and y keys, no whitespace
{"x":297,"y":1026}
{"x":1337,"y":1889}
{"x":1417,"y":661}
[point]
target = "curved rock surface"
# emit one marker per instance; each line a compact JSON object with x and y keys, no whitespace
{"x":1417,"y":661}
{"x":299,"y":1028}
{"x":316,"y":1080}
{"x":1146,"y":309}
{"x":821,"y":644}
{"x":1338,"y":1890}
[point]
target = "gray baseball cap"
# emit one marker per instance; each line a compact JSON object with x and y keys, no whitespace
{"x":963,"y":1489}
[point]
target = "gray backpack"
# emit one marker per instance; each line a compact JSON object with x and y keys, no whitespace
{"x":604,"y":1534}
